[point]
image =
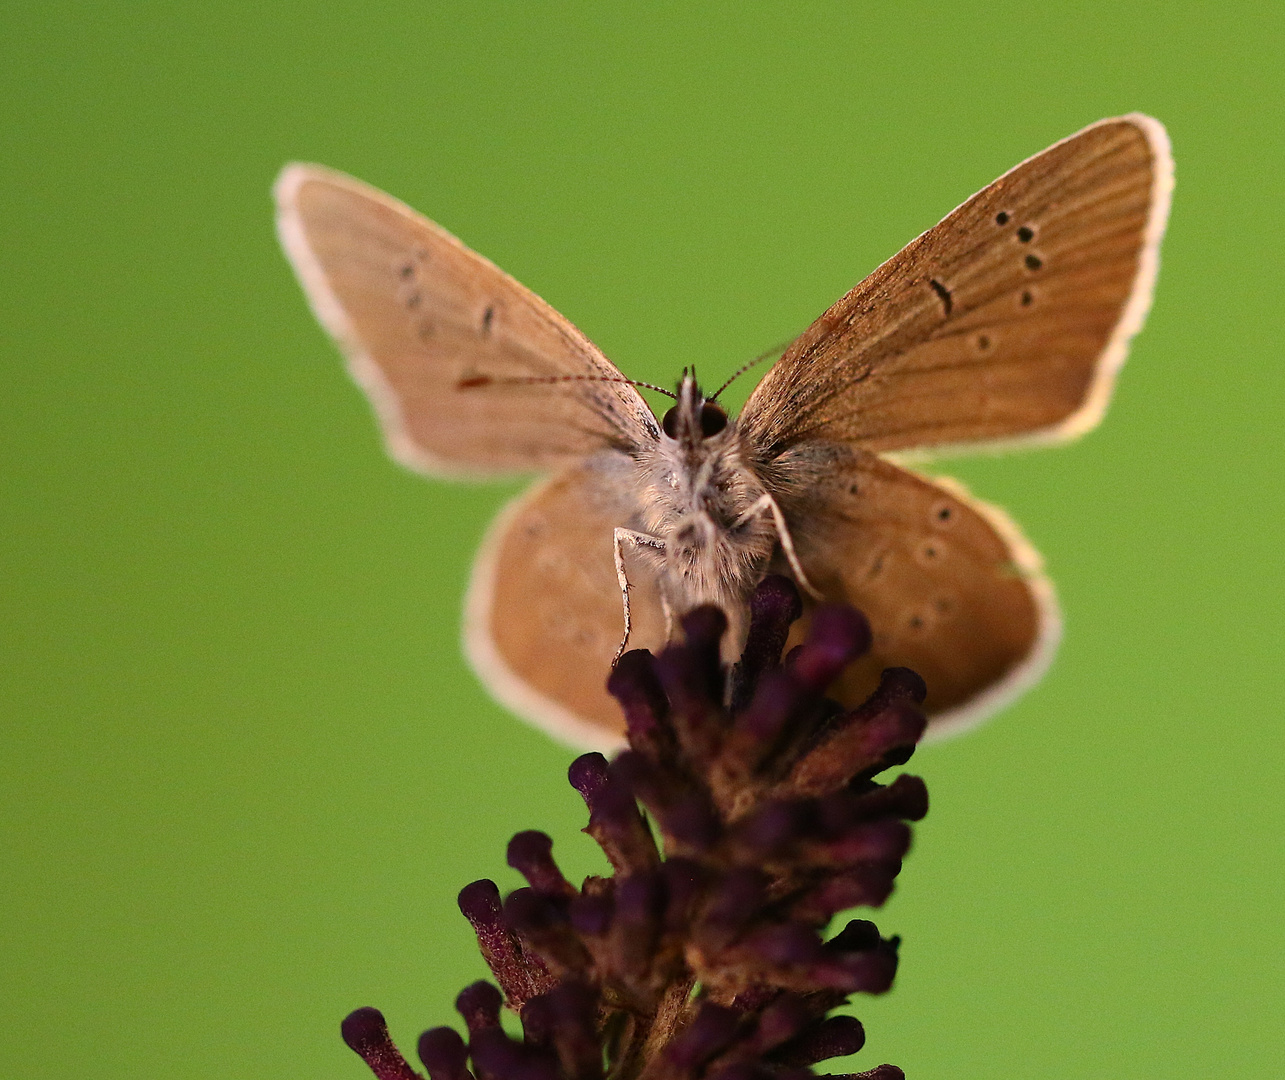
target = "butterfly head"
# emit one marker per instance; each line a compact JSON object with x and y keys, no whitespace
{"x":693,"y":418}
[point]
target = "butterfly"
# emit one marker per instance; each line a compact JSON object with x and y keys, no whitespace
{"x":1005,"y":324}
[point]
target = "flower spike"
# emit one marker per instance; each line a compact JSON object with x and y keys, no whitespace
{"x":743,"y":817}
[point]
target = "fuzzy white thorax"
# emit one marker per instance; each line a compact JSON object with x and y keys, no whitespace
{"x":697,"y":490}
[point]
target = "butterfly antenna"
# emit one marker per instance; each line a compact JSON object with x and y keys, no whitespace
{"x":776,"y":350}
{"x":475,"y":381}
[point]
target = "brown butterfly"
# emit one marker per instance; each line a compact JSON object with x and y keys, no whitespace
{"x":1004,"y":324}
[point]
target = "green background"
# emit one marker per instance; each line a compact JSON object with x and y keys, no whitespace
{"x":244,"y":769}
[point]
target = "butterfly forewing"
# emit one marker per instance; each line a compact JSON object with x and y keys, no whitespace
{"x":1006,"y":321}
{"x":949,"y":585}
{"x":543,"y":616}
{"x":468,"y":370}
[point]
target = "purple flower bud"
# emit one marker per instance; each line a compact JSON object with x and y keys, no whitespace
{"x":838,"y":636}
{"x":863,"y":742}
{"x":520,"y":974}
{"x":836,"y":1036}
{"x":780,"y":1021}
{"x":479,"y":1003}
{"x":637,"y":773}
{"x":866,"y":885}
{"x":633,"y":682}
{"x":544,"y":926}
{"x":774,"y":605}
{"x":688,"y":682}
{"x":869,"y":961}
{"x":786,"y":945}
{"x":444,"y":1054}
{"x":898,"y":727}
{"x":588,"y":775}
{"x":614,"y":820}
{"x":684,"y":811}
{"x":778,"y":700}
{"x":906,"y":798}
{"x":858,"y":935}
{"x":480,"y":903}
{"x":526,"y":910}
{"x":538,"y":1021}
{"x":900,"y":684}
{"x":497,"y":1057}
{"x":640,"y":906}
{"x":693,"y":681}
{"x":367,"y":1035}
{"x":710,"y":1032}
{"x":703,"y":630}
{"x":865,"y":973}
{"x":877,"y":841}
{"x":531,"y":854}
{"x":838,"y":812}
{"x":574,"y":1008}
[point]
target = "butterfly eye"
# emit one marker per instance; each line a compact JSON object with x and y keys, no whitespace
{"x":713,"y":420}
{"x":669,"y":424}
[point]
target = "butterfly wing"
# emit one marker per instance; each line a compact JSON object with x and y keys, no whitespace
{"x":950,"y":586}
{"x":468,"y":370}
{"x":543,"y":618}
{"x":1006,"y":322}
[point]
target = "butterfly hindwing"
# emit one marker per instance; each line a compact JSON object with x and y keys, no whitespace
{"x":950,"y":586}
{"x":468,"y":370}
{"x":543,"y":619}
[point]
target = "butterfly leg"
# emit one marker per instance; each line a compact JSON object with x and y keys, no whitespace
{"x":639,"y":540}
{"x":765,"y":502}
{"x":668,"y":611}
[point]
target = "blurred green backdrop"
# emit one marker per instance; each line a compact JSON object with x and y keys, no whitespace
{"x":244,"y":768}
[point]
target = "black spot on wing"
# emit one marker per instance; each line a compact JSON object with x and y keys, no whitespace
{"x":943,"y":294}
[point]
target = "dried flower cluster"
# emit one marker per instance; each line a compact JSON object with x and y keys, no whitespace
{"x":703,"y":958}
